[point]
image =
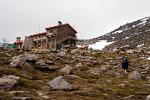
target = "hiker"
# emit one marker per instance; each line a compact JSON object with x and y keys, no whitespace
{"x":125,"y":64}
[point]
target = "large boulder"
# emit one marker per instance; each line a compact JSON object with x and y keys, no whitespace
{"x":18,"y":61}
{"x":59,"y":83}
{"x":7,"y":82}
{"x":15,"y":61}
{"x":41,"y":65}
{"x":31,"y":57}
{"x":135,"y":75}
{"x":67,"y":70}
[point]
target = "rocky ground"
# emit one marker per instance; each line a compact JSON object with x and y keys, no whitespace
{"x":73,"y":75}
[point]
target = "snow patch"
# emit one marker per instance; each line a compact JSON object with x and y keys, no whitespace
{"x":100,"y":45}
{"x":116,"y":32}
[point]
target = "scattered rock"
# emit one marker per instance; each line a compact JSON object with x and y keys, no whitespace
{"x":17,"y":92}
{"x":105,"y":67}
{"x":148,"y":97}
{"x":122,"y":85}
{"x":62,"y":54}
{"x":15,"y":61}
{"x":50,"y":62}
{"x":148,"y":78}
{"x":108,"y":81}
{"x":74,"y":76}
{"x":78,"y":65}
{"x":135,"y":75}
{"x":112,"y":73}
{"x":59,"y":83}
{"x":31,"y":57}
{"x":42,"y":95}
{"x":95,"y":71}
{"x":128,"y":97}
{"x":7,"y":82}
{"x":67,"y":70}
{"x":21,"y":98}
{"x":146,"y":85}
{"x":18,"y":61}
{"x":40,"y":63}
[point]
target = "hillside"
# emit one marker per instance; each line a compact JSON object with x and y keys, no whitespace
{"x":73,"y":75}
{"x":129,"y":36}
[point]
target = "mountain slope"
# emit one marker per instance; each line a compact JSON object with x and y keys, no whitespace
{"x":131,"y":35}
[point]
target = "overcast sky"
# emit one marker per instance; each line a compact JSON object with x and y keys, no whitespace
{"x":91,"y":18}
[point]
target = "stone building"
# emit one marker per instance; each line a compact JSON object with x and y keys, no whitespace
{"x":18,"y":43}
{"x":55,"y":37}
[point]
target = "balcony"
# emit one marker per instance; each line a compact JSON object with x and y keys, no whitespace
{"x":39,"y":39}
{"x":50,"y":34}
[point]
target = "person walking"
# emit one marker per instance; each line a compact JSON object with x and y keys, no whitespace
{"x":125,"y":64}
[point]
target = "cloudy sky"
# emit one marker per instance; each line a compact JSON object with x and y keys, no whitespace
{"x":91,"y":18}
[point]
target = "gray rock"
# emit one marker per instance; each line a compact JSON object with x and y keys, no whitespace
{"x":31,"y":57}
{"x":135,"y":75}
{"x":95,"y":71}
{"x":112,"y":73}
{"x":105,"y":67}
{"x":148,"y":97}
{"x":128,"y":97}
{"x":122,"y":85}
{"x":15,"y":61}
{"x":18,"y":61}
{"x":146,"y":65}
{"x":50,"y":62}
{"x":21,"y":98}
{"x":62,"y":54}
{"x":18,"y":92}
{"x":148,"y":78}
{"x":40,"y":63}
{"x":67,"y":70}
{"x":7,"y":82}
{"x":59,"y":83}
{"x":147,"y":85}
{"x":74,"y":77}
{"x":41,"y":94}
{"x":78,"y":65}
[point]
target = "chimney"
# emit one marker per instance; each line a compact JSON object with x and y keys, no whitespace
{"x":59,"y":23}
{"x":18,"y":39}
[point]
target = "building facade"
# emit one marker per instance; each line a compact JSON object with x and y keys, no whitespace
{"x":18,"y":43}
{"x":55,"y":37}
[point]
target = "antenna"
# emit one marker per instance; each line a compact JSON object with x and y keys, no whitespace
{"x":39,"y":28}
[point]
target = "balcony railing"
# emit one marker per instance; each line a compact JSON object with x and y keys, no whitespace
{"x":39,"y":39}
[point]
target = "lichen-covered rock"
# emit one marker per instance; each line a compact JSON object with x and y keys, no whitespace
{"x":135,"y":75}
{"x":7,"y":82}
{"x":59,"y":83}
